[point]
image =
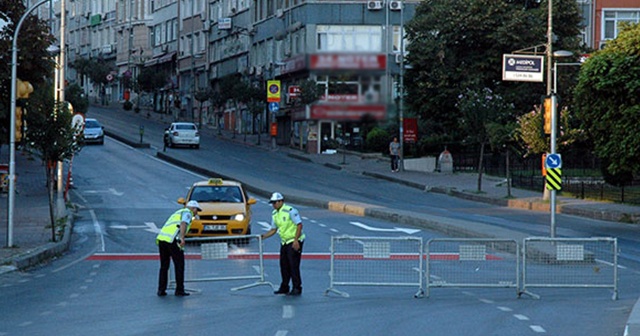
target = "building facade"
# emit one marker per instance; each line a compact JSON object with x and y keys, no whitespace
{"x":352,"y":49}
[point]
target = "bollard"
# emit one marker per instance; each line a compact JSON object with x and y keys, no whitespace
{"x":141,"y":132}
{"x":445,"y":161}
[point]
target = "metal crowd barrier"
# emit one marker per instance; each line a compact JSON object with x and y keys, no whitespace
{"x":225,"y":259}
{"x":570,"y":263}
{"x":472,"y":263}
{"x":376,"y":261}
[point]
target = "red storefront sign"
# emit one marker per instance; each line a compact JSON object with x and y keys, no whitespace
{"x":294,"y":91}
{"x":410,"y":130}
{"x":347,"y":112}
{"x":348,"y":61}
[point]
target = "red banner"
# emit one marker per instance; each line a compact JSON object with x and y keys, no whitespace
{"x":410,"y":130}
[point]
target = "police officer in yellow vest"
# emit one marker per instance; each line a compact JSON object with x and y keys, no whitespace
{"x":286,"y":221}
{"x":171,"y":243}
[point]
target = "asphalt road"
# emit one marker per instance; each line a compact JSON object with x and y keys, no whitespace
{"x":123,"y":193}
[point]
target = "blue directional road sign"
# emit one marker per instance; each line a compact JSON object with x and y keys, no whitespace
{"x":553,"y":161}
{"x":274,"y":107}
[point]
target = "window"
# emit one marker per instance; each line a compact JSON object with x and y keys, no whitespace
{"x":157,"y":33}
{"x":349,"y":38}
{"x":613,"y":18}
{"x":397,"y":35}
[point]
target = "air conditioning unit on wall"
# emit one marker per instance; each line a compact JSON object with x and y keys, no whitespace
{"x":374,"y":5}
{"x":395,"y":5}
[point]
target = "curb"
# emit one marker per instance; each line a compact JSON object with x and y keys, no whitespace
{"x":41,"y":253}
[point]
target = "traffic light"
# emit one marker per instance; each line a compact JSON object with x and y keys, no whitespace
{"x":547,"y":115}
{"x":23,"y":91}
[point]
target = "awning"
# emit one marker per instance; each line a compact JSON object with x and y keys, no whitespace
{"x":160,"y":59}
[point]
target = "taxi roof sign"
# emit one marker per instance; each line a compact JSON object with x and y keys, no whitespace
{"x":215,"y":181}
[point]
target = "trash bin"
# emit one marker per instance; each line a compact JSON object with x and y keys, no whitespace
{"x":445,"y":161}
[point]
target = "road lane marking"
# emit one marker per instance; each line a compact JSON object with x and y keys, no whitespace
{"x":537,"y":329}
{"x":521,"y":317}
{"x":287,"y":312}
{"x":98,"y":229}
{"x":395,"y":229}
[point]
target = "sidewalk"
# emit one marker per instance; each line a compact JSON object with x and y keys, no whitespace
{"x":31,"y":234}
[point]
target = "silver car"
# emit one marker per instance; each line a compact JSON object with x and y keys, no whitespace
{"x":182,"y":133}
{"x":93,"y":131}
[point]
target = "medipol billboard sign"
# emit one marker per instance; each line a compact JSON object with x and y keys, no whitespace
{"x":522,"y":68}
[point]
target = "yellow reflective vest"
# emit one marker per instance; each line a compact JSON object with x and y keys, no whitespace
{"x":171,"y":227}
{"x":286,"y":227}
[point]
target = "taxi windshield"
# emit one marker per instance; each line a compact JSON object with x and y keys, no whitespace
{"x":226,"y":194}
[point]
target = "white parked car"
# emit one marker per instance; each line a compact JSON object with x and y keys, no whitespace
{"x":182,"y":133}
{"x":93,"y":131}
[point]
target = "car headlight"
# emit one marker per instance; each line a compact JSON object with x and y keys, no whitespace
{"x":238,"y":217}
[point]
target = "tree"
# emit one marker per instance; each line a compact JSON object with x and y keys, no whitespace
{"x":458,"y":45}
{"x":96,"y":69}
{"x":151,"y":80}
{"x":52,"y":136}
{"x":75,"y":96}
{"x":478,"y":109}
{"x":608,"y":103}
{"x":34,"y":61}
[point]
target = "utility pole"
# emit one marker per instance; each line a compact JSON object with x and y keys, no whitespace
{"x":554,"y":117}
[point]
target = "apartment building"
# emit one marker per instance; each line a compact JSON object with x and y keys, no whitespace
{"x":351,"y":48}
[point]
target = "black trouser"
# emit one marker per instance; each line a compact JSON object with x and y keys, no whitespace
{"x":290,"y":266}
{"x":394,"y":161}
{"x":169,"y":251}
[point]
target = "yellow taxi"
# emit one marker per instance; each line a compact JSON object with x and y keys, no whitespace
{"x":226,"y":209}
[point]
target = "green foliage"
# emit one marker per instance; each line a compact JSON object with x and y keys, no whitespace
{"x":74,"y":95}
{"x":458,"y":46}
{"x":310,"y":92}
{"x":50,"y":131}
{"x":96,"y":69}
{"x":150,"y":80}
{"x":530,"y":132}
{"x":608,"y":101}
{"x":478,"y":108}
{"x":378,"y":140}
{"x":35,"y":64}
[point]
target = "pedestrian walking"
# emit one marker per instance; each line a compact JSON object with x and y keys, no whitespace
{"x":286,"y":221}
{"x":394,"y":152}
{"x":171,"y":243}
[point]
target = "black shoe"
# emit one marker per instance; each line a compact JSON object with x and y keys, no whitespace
{"x":182,"y":294}
{"x":162,"y":293}
{"x":295,"y":292}
{"x":282,"y":291}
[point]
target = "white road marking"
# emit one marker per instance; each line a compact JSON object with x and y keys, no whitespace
{"x":537,"y":329}
{"x":265,"y":226}
{"x":287,"y":311}
{"x":395,"y":229}
{"x":282,"y":333}
{"x":521,"y":317}
{"x":486,"y":301}
{"x":112,"y":191}
{"x":98,"y":229}
{"x":504,"y":309}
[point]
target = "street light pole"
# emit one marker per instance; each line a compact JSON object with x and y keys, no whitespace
{"x":12,"y":124}
{"x":551,"y":93}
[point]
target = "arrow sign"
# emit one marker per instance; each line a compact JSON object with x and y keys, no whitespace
{"x":553,"y":161}
{"x":148,"y":226}
{"x":395,"y":229}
